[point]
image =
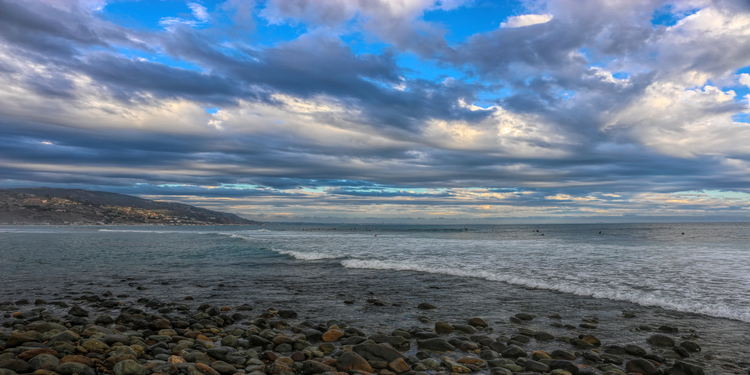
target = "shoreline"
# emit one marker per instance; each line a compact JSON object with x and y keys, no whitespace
{"x":151,"y":336}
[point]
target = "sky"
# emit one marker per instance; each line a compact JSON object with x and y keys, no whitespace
{"x":413,"y":111}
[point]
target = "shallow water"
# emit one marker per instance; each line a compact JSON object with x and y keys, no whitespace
{"x":698,"y":281}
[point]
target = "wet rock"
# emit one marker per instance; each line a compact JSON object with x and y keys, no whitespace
{"x":500,"y":371}
{"x":591,"y":339}
{"x":313,"y":334}
{"x":205,"y":369}
{"x":44,"y":362}
{"x":562,"y":354}
{"x":668,"y":328}
{"x":223,"y":368}
{"x":660,"y":340}
{"x":524,"y":316}
{"x":78,"y":359}
{"x":397,"y":342}
{"x":78,"y":311}
{"x":287,"y":314}
{"x":560,"y":364}
{"x":426,"y":306}
{"x":514,"y":351}
{"x":465,"y":328}
{"x":314,"y":367}
{"x":642,"y":366}
{"x":29,"y":354}
{"x":535,"y":366}
{"x":634,"y":350}
{"x":332,"y":335}
{"x":685,"y":368}
{"x":18,"y":339}
{"x":581,"y":344}
{"x":437,"y":344}
{"x":691,"y":346}
{"x":615,"y":349}
{"x":399,"y":365}
{"x":374,"y":352}
{"x":477,"y":322}
{"x":443,"y":328}
{"x":592,"y":356}
{"x":587,"y":325}
{"x":298,"y":356}
{"x":93,"y":345}
{"x":543,"y":336}
{"x":16,"y":365}
{"x":129,"y":367}
{"x":71,"y":368}
{"x":353,"y":361}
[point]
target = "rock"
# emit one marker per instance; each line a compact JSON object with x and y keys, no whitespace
{"x":332,"y":335}
{"x":94,"y":345}
{"x":399,"y":365}
{"x":443,"y":328}
{"x":287,"y":314}
{"x":205,"y":369}
{"x":668,"y":328}
{"x":685,"y":368}
{"x":634,"y":350}
{"x":426,"y":306}
{"x":374,"y":352}
{"x":543,"y":336}
{"x":314,"y":367}
{"x":691,"y":346}
{"x":438,"y":345}
{"x":560,"y":364}
{"x":78,"y":359}
{"x":71,"y":368}
{"x":298,"y":356}
{"x":353,"y":361}
{"x":18,"y":339}
{"x":500,"y":371}
{"x":535,"y":366}
{"x":313,"y":334}
{"x":129,"y":367}
{"x":524,"y":316}
{"x":640,"y":365}
{"x":44,"y":362}
{"x":29,"y":354}
{"x":397,"y":342}
{"x":615,"y":349}
{"x":222,"y":368}
{"x":562,"y":354}
{"x":592,"y":356}
{"x":465,"y":328}
{"x":591,"y":339}
{"x":78,"y":311}
{"x":660,"y":340}
{"x":16,"y":365}
{"x":514,"y":351}
{"x":454,"y":367}
{"x":587,"y":325}
{"x":104,"y":320}
{"x":477,"y":322}
{"x":581,"y":344}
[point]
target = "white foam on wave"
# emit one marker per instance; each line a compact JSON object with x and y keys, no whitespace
{"x":306,"y":255}
{"x":620,"y":294}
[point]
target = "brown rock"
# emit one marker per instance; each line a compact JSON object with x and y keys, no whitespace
{"x":332,"y":335}
{"x":175,"y":359}
{"x":162,"y":324}
{"x":399,"y":365}
{"x":18,"y":338}
{"x":353,"y":361}
{"x":205,"y":369}
{"x":443,"y":328}
{"x":477,"y":322}
{"x":298,"y":356}
{"x":79,"y":359}
{"x":591,"y":339}
{"x":17,"y":365}
{"x":29,"y":354}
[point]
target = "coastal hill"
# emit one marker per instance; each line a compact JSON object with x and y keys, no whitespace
{"x":83,"y":207}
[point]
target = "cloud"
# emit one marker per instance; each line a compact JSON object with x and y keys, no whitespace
{"x":526,"y":20}
{"x":595,"y":110}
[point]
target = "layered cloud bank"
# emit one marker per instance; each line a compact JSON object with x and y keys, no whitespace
{"x":385,"y":110}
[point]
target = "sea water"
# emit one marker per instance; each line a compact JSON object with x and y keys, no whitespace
{"x":696,"y":276}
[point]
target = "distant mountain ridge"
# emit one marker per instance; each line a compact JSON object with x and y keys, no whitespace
{"x":85,"y":207}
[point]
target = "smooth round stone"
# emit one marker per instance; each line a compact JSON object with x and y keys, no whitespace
{"x":71,"y":368}
{"x":129,"y":367}
{"x":44,"y":362}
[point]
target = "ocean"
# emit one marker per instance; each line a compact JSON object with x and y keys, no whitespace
{"x":693,"y":276}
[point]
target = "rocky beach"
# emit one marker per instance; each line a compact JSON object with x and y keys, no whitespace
{"x":97,"y":334}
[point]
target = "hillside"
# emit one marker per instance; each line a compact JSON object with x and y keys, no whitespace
{"x":84,"y":207}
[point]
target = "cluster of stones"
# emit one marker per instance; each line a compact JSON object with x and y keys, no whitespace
{"x":224,"y":341}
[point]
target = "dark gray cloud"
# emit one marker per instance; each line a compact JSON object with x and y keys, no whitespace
{"x":310,"y":121}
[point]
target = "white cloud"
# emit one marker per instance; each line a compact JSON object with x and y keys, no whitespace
{"x":745,"y":79}
{"x":199,"y":12}
{"x":526,"y":20}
